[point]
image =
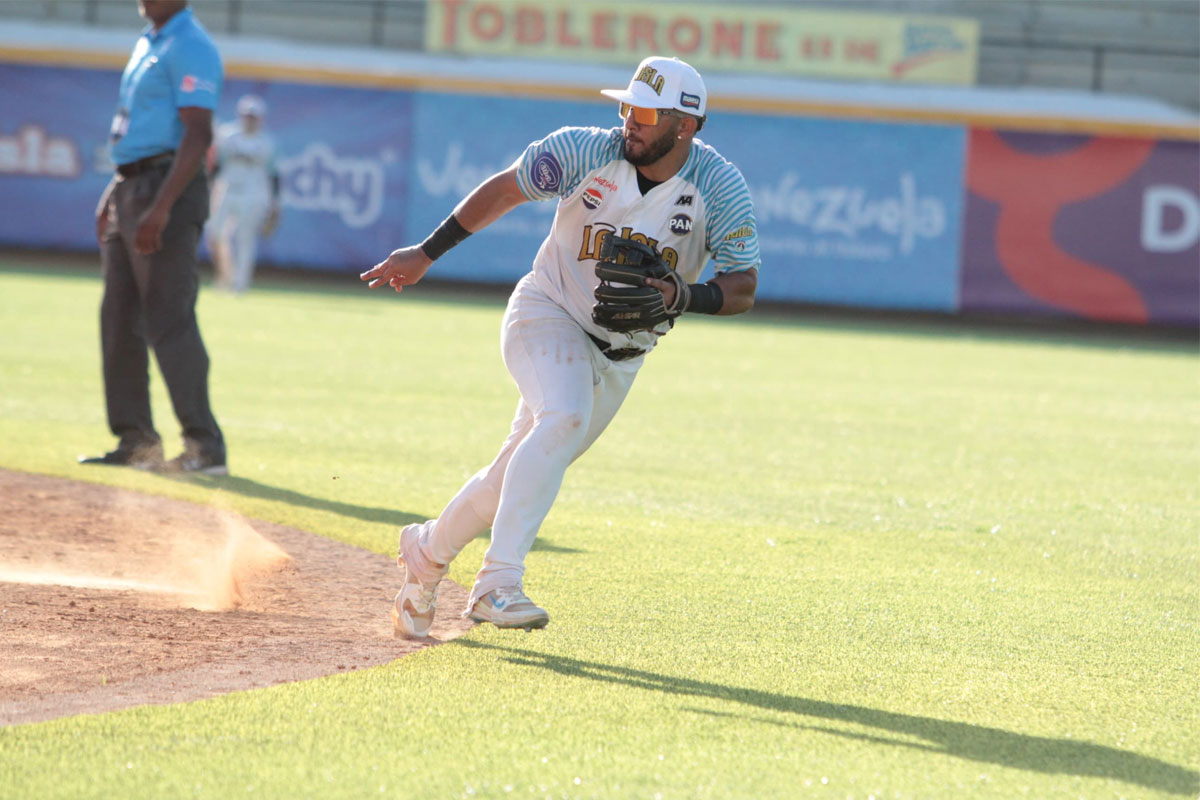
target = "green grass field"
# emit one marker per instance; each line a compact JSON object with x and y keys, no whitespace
{"x":810,"y":558}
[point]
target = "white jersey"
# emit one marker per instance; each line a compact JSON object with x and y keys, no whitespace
{"x":245,"y":160}
{"x":704,"y":211}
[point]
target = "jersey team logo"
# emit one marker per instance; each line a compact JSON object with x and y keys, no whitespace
{"x":680,"y":224}
{"x":592,"y":198}
{"x":594,"y":234}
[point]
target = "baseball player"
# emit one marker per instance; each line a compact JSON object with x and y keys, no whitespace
{"x":579,"y":325}
{"x":245,"y":194}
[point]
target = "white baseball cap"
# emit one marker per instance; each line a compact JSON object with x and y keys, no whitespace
{"x":251,"y":105}
{"x":661,"y":82}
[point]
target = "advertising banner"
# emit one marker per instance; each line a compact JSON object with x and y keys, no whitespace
{"x":53,"y":153}
{"x":849,"y":213}
{"x":343,"y":160}
{"x":852,"y":213}
{"x":732,"y":36}
{"x":459,"y":141}
{"x":1092,"y":227}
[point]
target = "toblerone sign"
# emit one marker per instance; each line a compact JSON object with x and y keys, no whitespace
{"x":726,"y":37}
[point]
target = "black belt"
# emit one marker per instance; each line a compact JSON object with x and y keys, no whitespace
{"x":616,"y":353}
{"x":144,"y":164}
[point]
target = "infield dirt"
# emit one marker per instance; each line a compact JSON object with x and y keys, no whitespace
{"x":110,"y":599}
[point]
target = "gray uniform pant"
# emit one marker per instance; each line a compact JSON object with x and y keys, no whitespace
{"x":150,"y":301}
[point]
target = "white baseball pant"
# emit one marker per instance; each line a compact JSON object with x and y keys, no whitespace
{"x":569,"y":394}
{"x":233,"y":232}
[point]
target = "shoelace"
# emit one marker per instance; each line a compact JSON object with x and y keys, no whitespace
{"x":427,"y":592}
{"x":428,"y":589}
{"x":512,"y":594}
{"x":428,"y":596}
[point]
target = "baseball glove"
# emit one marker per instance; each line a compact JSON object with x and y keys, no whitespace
{"x":624,"y":303}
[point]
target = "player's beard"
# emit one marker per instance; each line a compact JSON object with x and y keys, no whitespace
{"x":655,"y":149}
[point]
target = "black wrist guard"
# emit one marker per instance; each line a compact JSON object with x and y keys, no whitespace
{"x":706,"y":298}
{"x":448,"y":234}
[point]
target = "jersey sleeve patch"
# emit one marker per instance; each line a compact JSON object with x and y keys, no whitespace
{"x":546,"y":173}
{"x":554,"y":166}
{"x":732,"y":230}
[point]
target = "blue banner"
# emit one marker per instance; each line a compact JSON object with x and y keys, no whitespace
{"x":849,"y":213}
{"x":852,"y":213}
{"x":54,"y":163}
{"x":343,"y":159}
{"x":459,"y":141}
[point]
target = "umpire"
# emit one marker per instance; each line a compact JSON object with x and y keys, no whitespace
{"x":148,"y":223}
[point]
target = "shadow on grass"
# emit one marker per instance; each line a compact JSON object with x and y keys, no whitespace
{"x":540,"y":545}
{"x":388,"y":516}
{"x":958,"y":739}
{"x":263,"y":491}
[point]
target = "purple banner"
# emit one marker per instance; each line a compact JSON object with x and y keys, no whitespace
{"x":343,"y":156}
{"x":1100,"y":228}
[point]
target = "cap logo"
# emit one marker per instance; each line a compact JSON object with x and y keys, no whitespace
{"x":650,"y":77}
{"x":689,"y":100}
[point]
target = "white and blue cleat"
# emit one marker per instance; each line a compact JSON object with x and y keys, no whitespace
{"x":508,"y":607}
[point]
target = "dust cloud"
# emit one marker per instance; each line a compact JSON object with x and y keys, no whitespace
{"x":205,"y":562}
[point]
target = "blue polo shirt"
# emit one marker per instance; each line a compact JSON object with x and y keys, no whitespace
{"x":172,"y":68}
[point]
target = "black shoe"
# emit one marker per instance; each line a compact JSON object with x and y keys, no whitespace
{"x":148,"y":456}
{"x":192,"y":460}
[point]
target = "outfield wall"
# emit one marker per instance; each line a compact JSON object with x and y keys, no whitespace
{"x":945,"y":212}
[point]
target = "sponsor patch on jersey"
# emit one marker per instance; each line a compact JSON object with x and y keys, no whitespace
{"x":743,"y":232}
{"x":546,"y":172}
{"x":681,"y":224}
{"x":592,"y":198}
{"x":684,"y":200}
{"x":689,"y":100}
{"x":607,"y":184}
{"x":191,"y":83}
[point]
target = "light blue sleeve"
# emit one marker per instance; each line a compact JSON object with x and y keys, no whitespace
{"x":196,"y":72}
{"x":732,"y":230}
{"x":554,"y":166}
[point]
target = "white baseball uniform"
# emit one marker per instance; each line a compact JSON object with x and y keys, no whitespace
{"x":241,"y":200}
{"x":569,"y":389}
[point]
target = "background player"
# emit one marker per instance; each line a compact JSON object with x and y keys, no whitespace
{"x":245,"y":194}
{"x":649,"y":179}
